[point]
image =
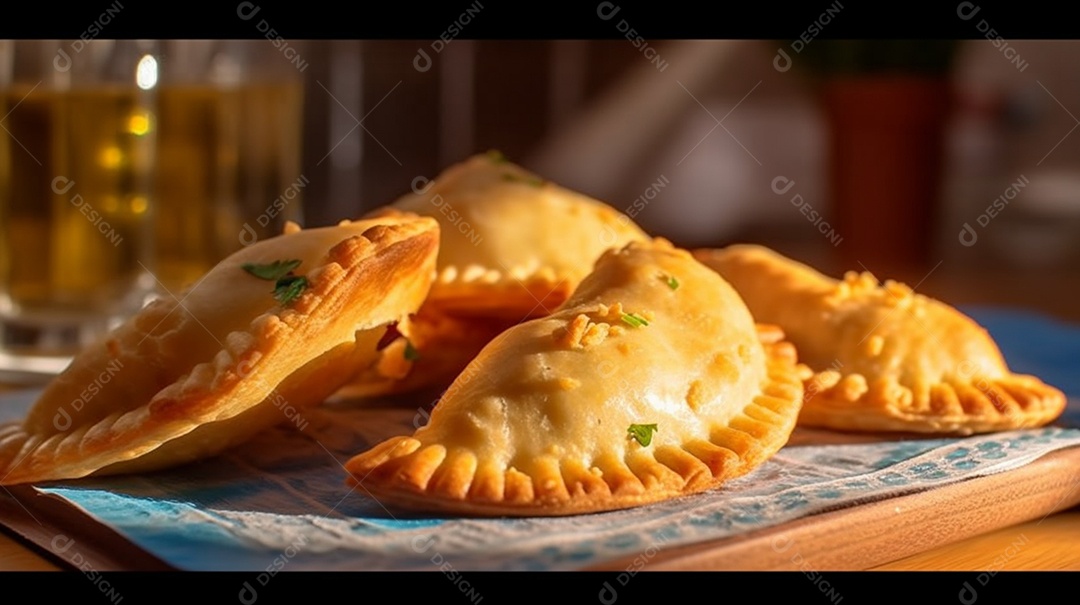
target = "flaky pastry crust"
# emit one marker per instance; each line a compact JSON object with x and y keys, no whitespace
{"x":880,"y":356}
{"x":514,"y":246}
{"x":540,"y":422}
{"x":191,"y":375}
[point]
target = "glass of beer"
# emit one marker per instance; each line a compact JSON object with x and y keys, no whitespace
{"x":228,"y":152}
{"x":76,"y":156}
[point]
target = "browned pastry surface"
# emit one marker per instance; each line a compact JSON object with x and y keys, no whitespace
{"x":881,"y":357}
{"x":542,"y":422}
{"x":192,"y":375}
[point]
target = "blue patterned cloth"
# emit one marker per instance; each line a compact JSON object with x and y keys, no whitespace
{"x":281,"y":501}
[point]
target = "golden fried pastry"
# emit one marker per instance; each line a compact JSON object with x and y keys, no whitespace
{"x":650,"y":382}
{"x":427,"y":351}
{"x":273,"y":328}
{"x":513,"y":245}
{"x":884,"y":358}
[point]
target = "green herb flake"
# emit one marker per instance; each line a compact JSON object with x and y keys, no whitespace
{"x":411,"y":354}
{"x":634,"y":320}
{"x":642,"y":433}
{"x":271,"y":271}
{"x":496,"y":157}
{"x":534,"y":181}
{"x":672,"y":282}
{"x":289,"y":288}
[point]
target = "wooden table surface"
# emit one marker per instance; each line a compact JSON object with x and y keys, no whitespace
{"x":1040,"y":544}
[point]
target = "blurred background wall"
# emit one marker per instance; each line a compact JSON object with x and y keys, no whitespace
{"x":697,"y":134}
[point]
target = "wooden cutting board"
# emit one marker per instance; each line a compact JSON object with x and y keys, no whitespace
{"x":868,"y":535}
{"x":852,"y":538}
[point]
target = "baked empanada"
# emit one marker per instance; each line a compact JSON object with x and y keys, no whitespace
{"x":514,"y":246}
{"x":650,"y":382}
{"x":884,"y":358}
{"x":273,"y":328}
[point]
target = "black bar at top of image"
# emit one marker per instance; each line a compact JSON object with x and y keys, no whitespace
{"x":489,"y":19}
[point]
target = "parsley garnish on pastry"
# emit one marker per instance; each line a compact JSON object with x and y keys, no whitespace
{"x":579,"y":412}
{"x":249,"y":346}
{"x":514,"y":246}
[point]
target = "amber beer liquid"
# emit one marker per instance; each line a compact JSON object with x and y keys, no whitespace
{"x":227,"y":174}
{"x":74,"y":208}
